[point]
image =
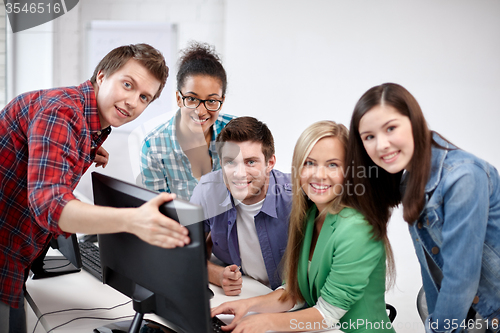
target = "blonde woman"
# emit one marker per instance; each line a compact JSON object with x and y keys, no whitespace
{"x":334,"y":267}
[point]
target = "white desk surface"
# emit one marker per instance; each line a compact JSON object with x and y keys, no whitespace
{"x":83,"y":291}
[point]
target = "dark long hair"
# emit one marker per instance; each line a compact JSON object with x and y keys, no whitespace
{"x":382,"y":192}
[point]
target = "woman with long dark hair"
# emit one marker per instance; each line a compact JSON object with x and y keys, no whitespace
{"x":450,"y":199}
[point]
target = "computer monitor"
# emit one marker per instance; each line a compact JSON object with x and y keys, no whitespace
{"x":70,"y":262}
{"x":172,"y":283}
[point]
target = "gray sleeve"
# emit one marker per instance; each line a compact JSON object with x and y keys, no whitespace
{"x":330,"y":313}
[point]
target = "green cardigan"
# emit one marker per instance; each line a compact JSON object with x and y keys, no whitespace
{"x":347,"y":270}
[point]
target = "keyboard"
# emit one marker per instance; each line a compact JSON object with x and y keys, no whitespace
{"x":151,"y":326}
{"x":216,"y":325}
{"x":90,"y":259}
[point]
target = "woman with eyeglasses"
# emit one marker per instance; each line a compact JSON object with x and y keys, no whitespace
{"x":176,"y":154}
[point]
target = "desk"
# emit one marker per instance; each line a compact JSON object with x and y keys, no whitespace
{"x":76,"y":290}
{"x":83,"y":291}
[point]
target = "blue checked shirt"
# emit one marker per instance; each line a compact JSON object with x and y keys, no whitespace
{"x":165,"y":167}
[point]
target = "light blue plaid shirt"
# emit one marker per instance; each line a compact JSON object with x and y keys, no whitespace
{"x":165,"y":167}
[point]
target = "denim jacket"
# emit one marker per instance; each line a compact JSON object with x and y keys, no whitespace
{"x":459,"y":228}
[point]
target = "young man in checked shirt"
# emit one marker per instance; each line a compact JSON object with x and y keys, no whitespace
{"x":48,"y":139}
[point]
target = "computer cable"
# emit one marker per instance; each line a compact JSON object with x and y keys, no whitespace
{"x":94,"y":318}
{"x":57,"y":267}
{"x":78,"y":309}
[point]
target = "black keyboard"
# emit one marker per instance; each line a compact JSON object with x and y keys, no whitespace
{"x":216,"y":325}
{"x":154,"y":327}
{"x":90,"y":259}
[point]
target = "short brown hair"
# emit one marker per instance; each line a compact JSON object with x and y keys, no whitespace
{"x":247,"y":129}
{"x":145,"y":54}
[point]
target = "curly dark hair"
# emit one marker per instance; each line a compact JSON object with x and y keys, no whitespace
{"x":200,"y":59}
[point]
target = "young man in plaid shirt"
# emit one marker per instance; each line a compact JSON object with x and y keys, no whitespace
{"x":48,"y":139}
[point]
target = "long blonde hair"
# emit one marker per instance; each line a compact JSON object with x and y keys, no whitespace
{"x":300,"y":202}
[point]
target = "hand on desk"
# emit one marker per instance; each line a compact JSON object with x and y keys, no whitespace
{"x":236,"y":308}
{"x":255,"y":323}
{"x":231,"y":281}
{"x":229,"y":278}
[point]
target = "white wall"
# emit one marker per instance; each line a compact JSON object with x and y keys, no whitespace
{"x":195,"y":19}
{"x":32,"y":62}
{"x":284,"y":53}
{"x":281,"y":54}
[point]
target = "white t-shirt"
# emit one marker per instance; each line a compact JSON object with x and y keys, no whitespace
{"x":252,"y":262}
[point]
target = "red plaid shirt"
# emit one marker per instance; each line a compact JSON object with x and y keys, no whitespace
{"x":48,"y":139}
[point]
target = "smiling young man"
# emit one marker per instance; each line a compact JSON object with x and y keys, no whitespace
{"x":48,"y":139}
{"x":247,"y":206}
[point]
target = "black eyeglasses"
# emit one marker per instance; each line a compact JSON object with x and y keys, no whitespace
{"x":193,"y":102}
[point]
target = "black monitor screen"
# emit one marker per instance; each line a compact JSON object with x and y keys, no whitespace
{"x":172,"y":283}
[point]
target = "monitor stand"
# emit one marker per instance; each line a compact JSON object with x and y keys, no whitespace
{"x":118,"y":327}
{"x":124,"y":326}
{"x":144,"y":302}
{"x":135,"y":327}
